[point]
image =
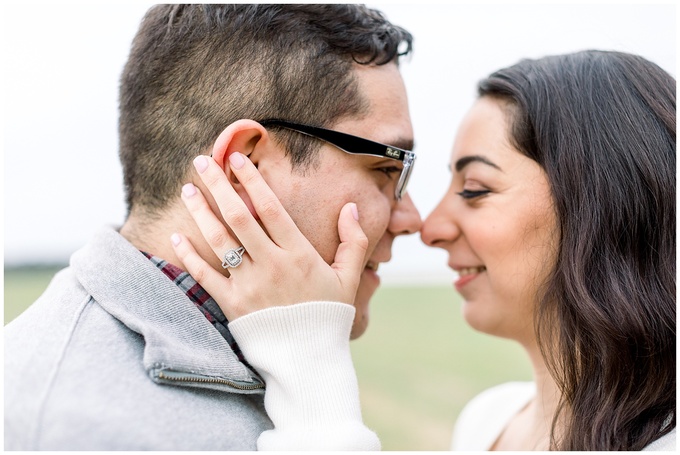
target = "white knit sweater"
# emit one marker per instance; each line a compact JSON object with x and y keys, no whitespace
{"x":312,"y":396}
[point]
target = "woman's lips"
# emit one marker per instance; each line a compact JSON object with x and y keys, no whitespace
{"x":467,"y":274}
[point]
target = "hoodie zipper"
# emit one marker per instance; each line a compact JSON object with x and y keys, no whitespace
{"x":187,"y":377}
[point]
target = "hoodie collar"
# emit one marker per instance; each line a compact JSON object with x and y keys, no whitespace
{"x":177,"y":337}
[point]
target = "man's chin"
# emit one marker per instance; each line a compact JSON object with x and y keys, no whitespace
{"x":367,"y":286}
{"x":359,"y":328}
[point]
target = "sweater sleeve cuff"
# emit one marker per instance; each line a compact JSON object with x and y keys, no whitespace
{"x":312,"y":396}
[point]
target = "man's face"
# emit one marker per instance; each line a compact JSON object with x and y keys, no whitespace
{"x":314,"y":197}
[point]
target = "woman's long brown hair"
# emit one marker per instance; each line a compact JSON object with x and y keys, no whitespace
{"x":602,"y":126}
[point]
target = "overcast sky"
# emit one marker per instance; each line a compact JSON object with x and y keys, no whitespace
{"x":61,"y":70}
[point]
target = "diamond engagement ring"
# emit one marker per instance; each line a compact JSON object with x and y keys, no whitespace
{"x":233,"y":257}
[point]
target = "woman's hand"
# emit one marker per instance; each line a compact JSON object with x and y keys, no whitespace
{"x":279,"y":267}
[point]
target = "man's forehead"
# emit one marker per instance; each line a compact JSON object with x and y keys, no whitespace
{"x":386,"y":117}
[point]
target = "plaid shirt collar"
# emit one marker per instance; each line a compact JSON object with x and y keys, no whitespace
{"x":201,"y":299}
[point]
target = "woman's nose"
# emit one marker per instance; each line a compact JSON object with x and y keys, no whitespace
{"x":439,"y":228}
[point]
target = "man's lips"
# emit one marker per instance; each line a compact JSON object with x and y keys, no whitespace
{"x":372,"y":265}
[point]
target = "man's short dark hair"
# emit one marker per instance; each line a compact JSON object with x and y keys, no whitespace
{"x":194,"y":69}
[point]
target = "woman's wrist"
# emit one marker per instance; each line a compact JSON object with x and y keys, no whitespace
{"x":302,"y":352}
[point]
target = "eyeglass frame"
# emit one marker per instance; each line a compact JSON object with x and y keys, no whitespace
{"x":350,"y":144}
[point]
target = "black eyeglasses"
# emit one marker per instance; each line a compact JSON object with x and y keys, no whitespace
{"x":356,"y":145}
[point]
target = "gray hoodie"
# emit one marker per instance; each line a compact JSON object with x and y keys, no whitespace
{"x":114,"y":356}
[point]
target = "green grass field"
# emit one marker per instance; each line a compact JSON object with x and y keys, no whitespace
{"x":23,"y":285}
{"x":418,"y":363}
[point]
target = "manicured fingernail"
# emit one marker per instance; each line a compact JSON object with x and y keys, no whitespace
{"x":201,"y":163}
{"x":355,"y":212}
{"x":237,"y":161}
{"x":175,"y":239}
{"x":189,"y":190}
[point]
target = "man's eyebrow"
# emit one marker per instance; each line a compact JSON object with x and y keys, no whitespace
{"x":402,"y":143}
{"x":464,"y":161}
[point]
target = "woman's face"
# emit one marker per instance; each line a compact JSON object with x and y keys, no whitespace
{"x":497,"y":223}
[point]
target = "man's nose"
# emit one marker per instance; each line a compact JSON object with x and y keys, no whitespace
{"x":405,"y":218}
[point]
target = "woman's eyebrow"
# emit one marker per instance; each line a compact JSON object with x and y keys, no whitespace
{"x":464,"y":161}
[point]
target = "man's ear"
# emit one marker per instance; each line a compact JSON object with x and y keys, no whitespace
{"x":244,"y":136}
{"x":241,"y":136}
